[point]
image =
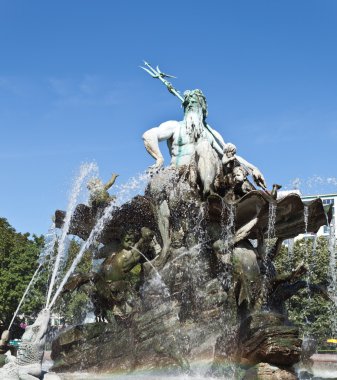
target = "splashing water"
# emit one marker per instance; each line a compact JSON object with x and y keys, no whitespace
{"x":156,"y":283}
{"x":125,"y":192}
{"x":143,"y":375}
{"x":186,"y":253}
{"x":135,"y":185}
{"x":50,"y":239}
{"x":85,"y":170}
{"x":313,"y":185}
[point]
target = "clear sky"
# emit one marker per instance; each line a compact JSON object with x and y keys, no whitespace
{"x":71,"y":90}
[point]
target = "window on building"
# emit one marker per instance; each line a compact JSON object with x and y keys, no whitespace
{"x":326,"y":229}
{"x":328,"y":201}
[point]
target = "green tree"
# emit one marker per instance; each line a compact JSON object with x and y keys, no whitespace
{"x":19,"y":255}
{"x":311,"y":312}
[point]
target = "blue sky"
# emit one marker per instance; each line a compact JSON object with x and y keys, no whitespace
{"x":71,"y":90}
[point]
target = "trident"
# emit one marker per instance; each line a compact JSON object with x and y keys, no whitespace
{"x":156,"y":73}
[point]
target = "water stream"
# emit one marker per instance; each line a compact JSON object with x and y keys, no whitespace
{"x":25,"y":294}
{"x":45,"y":255}
{"x":85,"y":170}
{"x":227,"y":224}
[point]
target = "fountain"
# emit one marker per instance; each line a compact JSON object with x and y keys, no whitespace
{"x":181,"y":282}
{"x":182,"y":288}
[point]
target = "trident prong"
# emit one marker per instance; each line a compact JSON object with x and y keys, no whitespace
{"x":163,"y":75}
{"x":156,"y":73}
{"x":148,"y":71}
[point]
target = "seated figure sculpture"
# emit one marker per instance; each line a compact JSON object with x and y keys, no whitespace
{"x":229,"y":159}
{"x":192,"y":139}
{"x":114,"y":281}
{"x":240,"y":184}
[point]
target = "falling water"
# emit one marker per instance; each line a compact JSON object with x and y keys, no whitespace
{"x":271,"y":225}
{"x":291,"y":252}
{"x":228,"y":228}
{"x":125,"y":192}
{"x":307,"y":260}
{"x":333,"y":276}
{"x":228,"y":219}
{"x":306,"y":218}
{"x":271,"y":221}
{"x":183,"y":254}
{"x":265,"y":263}
{"x":199,"y":229}
{"x":314,"y":245}
{"x":85,"y":170}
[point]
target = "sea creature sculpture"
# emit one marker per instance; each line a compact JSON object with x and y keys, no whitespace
{"x":28,"y":363}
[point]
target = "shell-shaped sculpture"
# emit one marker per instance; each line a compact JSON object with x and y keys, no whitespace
{"x":253,"y":212}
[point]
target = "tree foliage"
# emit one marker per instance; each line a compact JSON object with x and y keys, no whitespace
{"x":311,"y":312}
{"x":19,"y":255}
